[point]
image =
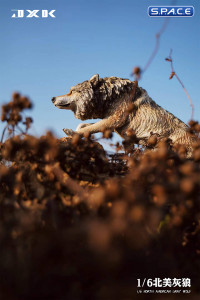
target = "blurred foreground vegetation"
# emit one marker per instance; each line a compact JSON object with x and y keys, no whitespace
{"x":78,"y":224}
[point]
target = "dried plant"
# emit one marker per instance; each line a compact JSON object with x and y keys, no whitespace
{"x":78,"y":224}
{"x":173,"y":73}
{"x":137,"y":71}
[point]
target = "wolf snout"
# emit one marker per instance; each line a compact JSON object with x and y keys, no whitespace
{"x":53,"y":99}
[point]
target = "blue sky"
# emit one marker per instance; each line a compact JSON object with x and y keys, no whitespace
{"x":42,"y":58}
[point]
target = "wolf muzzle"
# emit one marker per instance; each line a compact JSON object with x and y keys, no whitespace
{"x":61,"y":102}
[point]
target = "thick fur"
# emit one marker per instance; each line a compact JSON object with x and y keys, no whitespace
{"x":109,"y":99}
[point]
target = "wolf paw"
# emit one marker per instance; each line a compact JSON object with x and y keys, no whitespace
{"x":68,"y":132}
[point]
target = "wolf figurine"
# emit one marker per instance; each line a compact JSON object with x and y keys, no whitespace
{"x":109,"y":99}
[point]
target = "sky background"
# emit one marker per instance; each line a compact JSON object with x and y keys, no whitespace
{"x":42,"y":58}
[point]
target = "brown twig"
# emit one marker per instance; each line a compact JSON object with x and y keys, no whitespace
{"x":157,"y":44}
{"x":4,"y":130}
{"x":134,"y":90}
{"x":173,"y":73}
{"x":137,"y":72}
{"x":20,"y":130}
{"x":68,"y":182}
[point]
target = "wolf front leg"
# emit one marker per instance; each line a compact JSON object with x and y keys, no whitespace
{"x":70,"y":132}
{"x":89,"y":128}
{"x":82,"y":125}
{"x":116,"y":119}
{"x":109,"y":123}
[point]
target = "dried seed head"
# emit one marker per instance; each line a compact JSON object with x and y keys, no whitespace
{"x":187,"y":185}
{"x":196,"y":155}
{"x":75,"y":139}
{"x":107,"y":134}
{"x":172,"y":75}
{"x":136,"y":72}
{"x":152,"y":141}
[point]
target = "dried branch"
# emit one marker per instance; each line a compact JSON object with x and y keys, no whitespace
{"x":157,"y":44}
{"x":173,"y":73}
{"x":3,"y":133}
{"x":132,"y":96}
{"x":18,"y":127}
{"x":68,"y":182}
{"x":137,"y":72}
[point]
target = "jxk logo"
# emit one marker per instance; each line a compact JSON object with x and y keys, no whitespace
{"x":36,"y":13}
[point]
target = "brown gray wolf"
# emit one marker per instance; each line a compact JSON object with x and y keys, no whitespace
{"x":109,"y":99}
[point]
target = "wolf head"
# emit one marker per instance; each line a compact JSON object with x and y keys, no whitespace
{"x":93,"y":98}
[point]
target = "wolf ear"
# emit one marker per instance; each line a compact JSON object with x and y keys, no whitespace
{"x":94,"y":79}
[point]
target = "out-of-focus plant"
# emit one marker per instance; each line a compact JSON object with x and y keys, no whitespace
{"x":12,"y":114}
{"x":78,"y":224}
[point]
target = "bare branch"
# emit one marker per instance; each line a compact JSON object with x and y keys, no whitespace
{"x":67,"y":181}
{"x":155,"y":50}
{"x":4,"y":130}
{"x":157,"y":44}
{"x":173,"y":73}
